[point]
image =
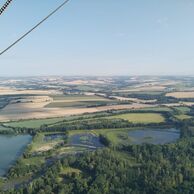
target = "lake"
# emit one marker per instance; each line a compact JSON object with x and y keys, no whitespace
{"x":11,"y":147}
{"x":154,"y":136}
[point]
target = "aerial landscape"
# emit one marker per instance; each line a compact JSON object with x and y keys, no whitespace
{"x":51,"y":125}
{"x":99,"y":99}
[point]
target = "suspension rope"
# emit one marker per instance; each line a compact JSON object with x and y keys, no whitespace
{"x":4,"y":7}
{"x":36,"y":26}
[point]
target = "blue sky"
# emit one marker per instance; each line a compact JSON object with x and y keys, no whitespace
{"x":99,"y":37}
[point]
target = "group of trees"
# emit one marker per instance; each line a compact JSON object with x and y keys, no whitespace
{"x":161,"y":98}
{"x":134,"y":169}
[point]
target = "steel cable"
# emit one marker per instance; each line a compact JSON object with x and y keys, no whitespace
{"x":4,"y":7}
{"x":32,"y":29}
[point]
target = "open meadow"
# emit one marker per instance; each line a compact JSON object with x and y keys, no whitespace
{"x":141,"y":117}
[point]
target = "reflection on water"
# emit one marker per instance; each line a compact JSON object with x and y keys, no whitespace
{"x":11,"y":147}
{"x":51,"y":137}
{"x":86,"y":139}
{"x":154,"y":136}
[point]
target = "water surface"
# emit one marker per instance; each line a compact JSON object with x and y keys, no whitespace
{"x":86,"y":139}
{"x":51,"y":137}
{"x":11,"y":147}
{"x":154,"y":136}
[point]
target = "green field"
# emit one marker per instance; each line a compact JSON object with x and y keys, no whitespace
{"x":116,"y":136}
{"x":158,"y":109}
{"x":141,"y":117}
{"x":183,"y":117}
{"x":36,"y":123}
{"x":69,"y":170}
{"x":182,"y":109}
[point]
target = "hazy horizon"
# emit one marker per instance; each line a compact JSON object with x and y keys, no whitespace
{"x":98,"y":76}
{"x":102,"y":38}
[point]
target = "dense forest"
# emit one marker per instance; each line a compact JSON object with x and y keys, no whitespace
{"x":131,"y":169}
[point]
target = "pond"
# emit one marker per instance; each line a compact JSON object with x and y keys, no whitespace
{"x":52,"y":137}
{"x":11,"y":147}
{"x":154,"y":136}
{"x":85,"y":139}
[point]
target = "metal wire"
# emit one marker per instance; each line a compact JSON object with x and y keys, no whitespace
{"x":4,"y":7}
{"x":32,"y":29}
